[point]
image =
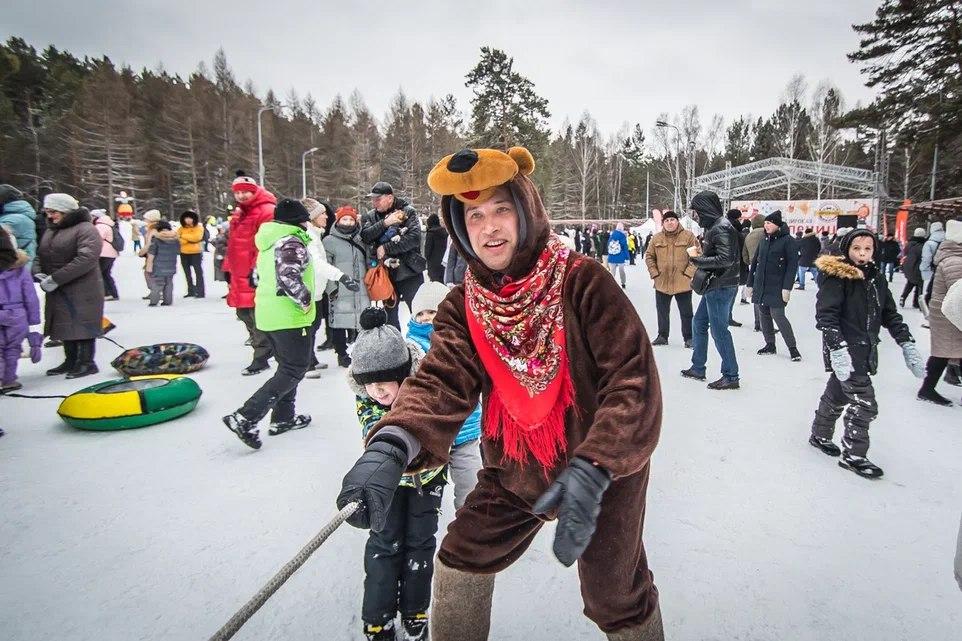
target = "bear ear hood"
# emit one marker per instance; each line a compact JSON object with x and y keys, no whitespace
{"x":471,"y":177}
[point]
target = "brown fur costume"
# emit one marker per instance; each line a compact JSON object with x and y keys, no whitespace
{"x":614,"y":422}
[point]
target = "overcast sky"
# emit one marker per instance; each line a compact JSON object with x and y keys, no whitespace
{"x":622,"y":61}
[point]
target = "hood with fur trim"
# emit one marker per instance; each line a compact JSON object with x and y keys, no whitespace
{"x":838,"y":267}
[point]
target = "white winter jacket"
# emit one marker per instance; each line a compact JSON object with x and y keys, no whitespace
{"x":323,"y":270}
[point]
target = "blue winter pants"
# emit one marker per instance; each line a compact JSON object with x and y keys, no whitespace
{"x":712,"y":313}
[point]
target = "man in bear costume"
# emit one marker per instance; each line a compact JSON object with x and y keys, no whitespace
{"x":571,"y":417}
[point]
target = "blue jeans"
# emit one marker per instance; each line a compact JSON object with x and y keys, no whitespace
{"x":806,"y":270}
{"x":888,"y":269}
{"x":712,"y":313}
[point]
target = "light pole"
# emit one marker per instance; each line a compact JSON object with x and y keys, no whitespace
{"x":304,"y":170}
{"x":662,"y":123}
{"x":260,"y":144}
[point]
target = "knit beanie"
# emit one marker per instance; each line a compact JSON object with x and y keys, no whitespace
{"x":97,"y":213}
{"x":775,"y":217}
{"x":317,"y":208}
{"x":669,"y":214}
{"x":428,"y":298}
{"x":60,"y":202}
{"x":291,"y":211}
{"x":345,"y":210}
{"x":380,"y":353}
{"x":152,"y":216}
{"x":919,"y":232}
{"x":243,"y":182}
{"x":850,"y":238}
{"x":936,"y":226}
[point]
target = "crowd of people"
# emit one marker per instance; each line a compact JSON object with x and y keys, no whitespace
{"x":512,"y":317}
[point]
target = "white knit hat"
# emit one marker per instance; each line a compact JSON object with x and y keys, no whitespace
{"x":60,"y":202}
{"x":953,"y":231}
{"x":152,"y":215}
{"x":919,"y":232}
{"x":428,"y":298}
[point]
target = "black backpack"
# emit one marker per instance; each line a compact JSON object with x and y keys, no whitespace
{"x":116,"y":240}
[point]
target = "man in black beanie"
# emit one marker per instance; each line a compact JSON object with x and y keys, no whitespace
{"x":771,"y":277}
{"x":285,"y":311}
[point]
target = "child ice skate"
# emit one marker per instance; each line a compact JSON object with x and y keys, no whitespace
{"x":853,"y":303}
{"x":399,"y":559}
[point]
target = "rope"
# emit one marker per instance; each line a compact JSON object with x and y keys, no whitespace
{"x":30,"y":395}
{"x":107,"y":338}
{"x":247,"y":611}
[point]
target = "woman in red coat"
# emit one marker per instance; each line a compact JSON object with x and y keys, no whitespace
{"x":255,"y":206}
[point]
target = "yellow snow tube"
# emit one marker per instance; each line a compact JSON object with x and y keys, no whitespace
{"x":129,"y":403}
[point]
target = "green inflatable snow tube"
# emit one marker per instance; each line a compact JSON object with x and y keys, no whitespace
{"x":130,"y":403}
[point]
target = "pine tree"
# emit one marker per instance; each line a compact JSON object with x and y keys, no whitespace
{"x":505,"y":109}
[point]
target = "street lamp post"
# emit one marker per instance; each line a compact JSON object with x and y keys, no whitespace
{"x":662,"y":123}
{"x":260,"y":144}
{"x":304,"y":170}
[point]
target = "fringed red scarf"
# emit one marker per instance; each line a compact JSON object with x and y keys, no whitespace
{"x":520,"y":336}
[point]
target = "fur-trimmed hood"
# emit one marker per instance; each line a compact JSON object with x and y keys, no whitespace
{"x":839,"y":267}
{"x":417,"y":355}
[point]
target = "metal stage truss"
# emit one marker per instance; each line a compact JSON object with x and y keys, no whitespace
{"x":736,"y":182}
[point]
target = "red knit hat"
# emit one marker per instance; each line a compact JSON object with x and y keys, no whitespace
{"x":345,"y":210}
{"x":243,"y":182}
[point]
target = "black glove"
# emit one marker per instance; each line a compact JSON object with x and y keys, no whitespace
{"x":349,"y":282}
{"x":373,"y":480}
{"x":576,"y":493}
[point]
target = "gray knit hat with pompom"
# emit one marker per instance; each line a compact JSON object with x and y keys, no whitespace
{"x":380,"y":353}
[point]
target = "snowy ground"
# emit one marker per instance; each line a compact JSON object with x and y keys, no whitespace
{"x":161,"y":533}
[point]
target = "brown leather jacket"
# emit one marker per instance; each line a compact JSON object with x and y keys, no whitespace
{"x":667,"y":260}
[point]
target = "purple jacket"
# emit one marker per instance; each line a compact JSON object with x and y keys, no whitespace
{"x":19,"y":305}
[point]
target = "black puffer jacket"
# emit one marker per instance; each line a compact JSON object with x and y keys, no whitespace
{"x":720,"y":254}
{"x":890,"y":251}
{"x":808,"y":250}
{"x":853,"y":303}
{"x":911,"y":265}
{"x":774,"y":268}
{"x":435,"y":244}
{"x":407,"y":249}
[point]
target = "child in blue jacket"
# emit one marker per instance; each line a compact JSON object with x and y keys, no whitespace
{"x":465,"y":459}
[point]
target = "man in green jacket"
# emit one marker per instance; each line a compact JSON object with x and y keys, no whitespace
{"x":284,"y":302}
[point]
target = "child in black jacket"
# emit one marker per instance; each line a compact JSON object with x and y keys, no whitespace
{"x":852,"y":305}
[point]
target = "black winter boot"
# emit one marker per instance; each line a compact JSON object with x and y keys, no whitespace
{"x":296,"y":423}
{"x":379,"y":632}
{"x":824,"y":444}
{"x":690,"y":373}
{"x":660,"y":340}
{"x":861,"y":466}
{"x":930,"y":395}
{"x":70,"y":360}
{"x":85,"y":365}
{"x":415,"y":628}
{"x":953,"y":376}
{"x":794,"y":354}
{"x":768,"y":349}
{"x":255,"y":368}
{"x":724,"y":383}
{"x":245,"y":429}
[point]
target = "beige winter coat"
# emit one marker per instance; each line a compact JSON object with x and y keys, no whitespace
{"x":946,"y":337}
{"x":667,"y":260}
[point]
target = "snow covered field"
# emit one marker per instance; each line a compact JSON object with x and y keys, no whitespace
{"x":161,"y":533}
